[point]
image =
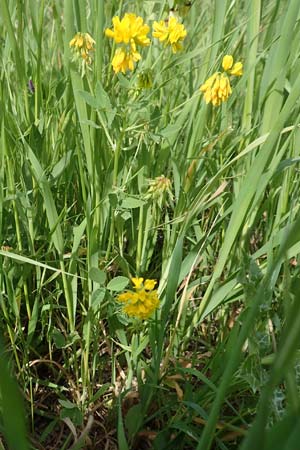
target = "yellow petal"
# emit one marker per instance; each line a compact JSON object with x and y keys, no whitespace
{"x":227,"y":62}
{"x":137,"y":282}
{"x":149,"y":284}
{"x":160,"y":31}
{"x":237,"y":69}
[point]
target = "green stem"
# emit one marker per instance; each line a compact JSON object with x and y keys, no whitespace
{"x":114,"y":45}
{"x":68,"y":295}
{"x":252,"y":44}
{"x":140,"y":241}
{"x":99,"y":38}
{"x":19,"y":62}
{"x":114,"y":184}
{"x":38,"y":86}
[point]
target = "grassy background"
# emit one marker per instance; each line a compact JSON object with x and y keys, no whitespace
{"x":77,"y":220}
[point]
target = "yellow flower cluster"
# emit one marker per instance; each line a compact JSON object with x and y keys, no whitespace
{"x":131,"y":32}
{"x":82,"y":46}
{"x":158,"y":187}
{"x":217,"y":88}
{"x":171,"y":32}
{"x":141,"y":302}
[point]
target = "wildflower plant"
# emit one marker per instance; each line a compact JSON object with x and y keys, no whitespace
{"x":84,"y":203}
{"x":217,"y":88}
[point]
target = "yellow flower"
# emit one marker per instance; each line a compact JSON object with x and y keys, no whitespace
{"x":137,"y":282}
{"x":160,"y":31}
{"x":131,"y":29}
{"x":123,"y":60}
{"x":141,"y":302}
{"x":216,"y":89}
{"x":227,"y":62}
{"x":160,"y":189}
{"x":132,"y":32}
{"x":237,"y":69}
{"x":82,"y":45}
{"x":149,"y":285}
{"x":173,"y":33}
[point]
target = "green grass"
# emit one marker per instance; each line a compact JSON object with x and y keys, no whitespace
{"x":217,"y":366}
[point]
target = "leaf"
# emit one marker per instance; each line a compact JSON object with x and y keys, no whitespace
{"x":100,"y":392}
{"x":97,"y":275}
{"x":33,"y":320}
{"x":123,"y":81}
{"x":62,"y":164}
{"x":58,"y":338}
{"x":105,"y":103}
{"x":74,"y":414}
{"x":117,"y":284}
{"x":102,"y":96}
{"x":132,"y":202}
{"x":91,"y":123}
{"x":12,"y":409}
{"x":89,"y":99}
{"x":122,"y":442}
{"x":67,"y":404}
{"x":52,"y":216}
{"x":78,"y":233}
{"x":171,"y":131}
{"x":97,"y":297}
{"x":287,"y":163}
{"x":285,"y":435}
{"x":134,"y":419}
{"x":24,"y":259}
{"x":173,"y":277}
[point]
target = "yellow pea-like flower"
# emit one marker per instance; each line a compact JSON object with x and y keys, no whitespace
{"x":131,"y":31}
{"x":172,"y":33}
{"x":237,"y":69}
{"x":82,"y":46}
{"x":142,"y":301}
{"x":227,"y":62}
{"x":217,"y":87}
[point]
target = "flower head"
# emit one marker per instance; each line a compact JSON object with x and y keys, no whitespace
{"x":123,"y":60}
{"x":160,"y":187}
{"x":217,"y":87}
{"x":131,"y":32}
{"x":172,"y":33}
{"x":142,"y":301}
{"x":82,"y":46}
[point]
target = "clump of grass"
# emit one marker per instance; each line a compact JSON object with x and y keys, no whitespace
{"x":115,"y":170}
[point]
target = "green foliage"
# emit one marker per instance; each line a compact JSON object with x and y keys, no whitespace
{"x":105,"y":177}
{"x":12,"y":409}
